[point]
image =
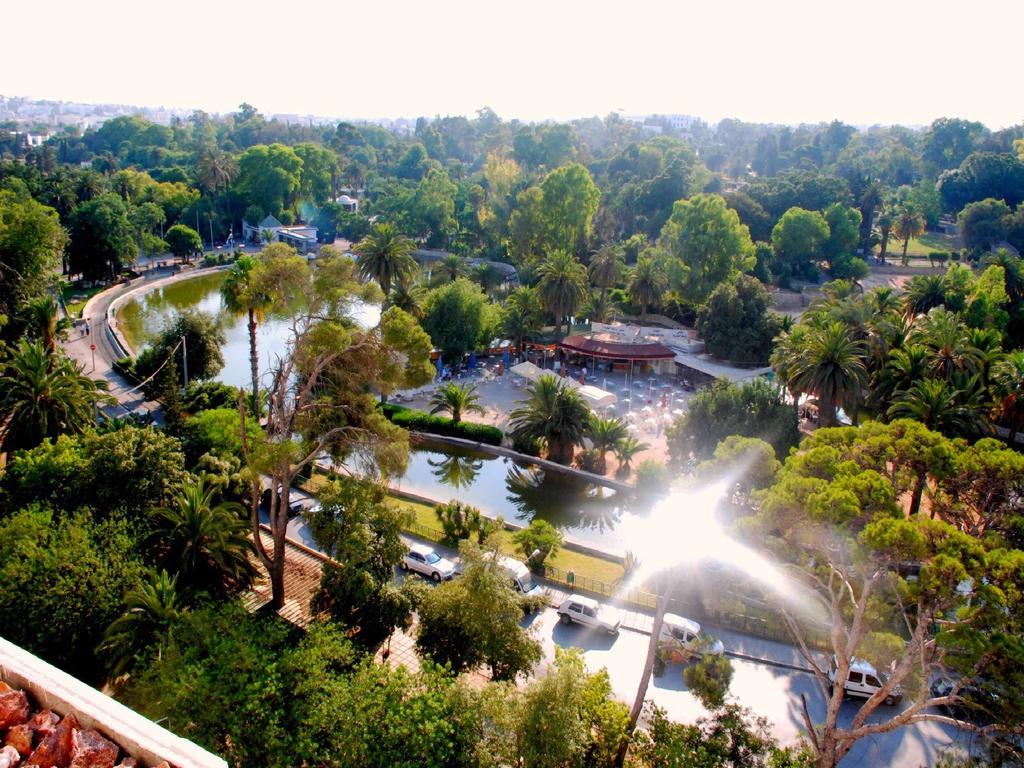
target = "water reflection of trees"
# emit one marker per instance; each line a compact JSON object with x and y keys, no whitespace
{"x":455,"y":470}
{"x":561,"y":499}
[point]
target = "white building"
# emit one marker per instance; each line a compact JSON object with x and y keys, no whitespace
{"x":302,"y":237}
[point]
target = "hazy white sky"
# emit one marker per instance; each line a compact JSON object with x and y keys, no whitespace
{"x":862,"y":61}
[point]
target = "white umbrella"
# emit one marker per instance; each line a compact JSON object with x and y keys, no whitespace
{"x":646,"y":409}
{"x":678,"y":412}
{"x":651,"y":424}
{"x":633,"y":428}
{"x":626,"y":390}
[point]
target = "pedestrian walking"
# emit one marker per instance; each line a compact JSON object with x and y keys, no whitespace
{"x":88,"y":328}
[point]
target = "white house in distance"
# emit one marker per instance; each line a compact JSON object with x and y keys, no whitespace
{"x":302,"y":237}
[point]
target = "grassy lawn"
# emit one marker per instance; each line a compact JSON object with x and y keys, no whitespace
{"x":920,"y":247}
{"x":76,"y":297}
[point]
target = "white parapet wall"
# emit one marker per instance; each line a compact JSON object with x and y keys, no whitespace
{"x":50,"y":688}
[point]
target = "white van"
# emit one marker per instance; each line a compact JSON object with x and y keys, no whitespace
{"x":863,"y":680}
{"x":522,"y":579}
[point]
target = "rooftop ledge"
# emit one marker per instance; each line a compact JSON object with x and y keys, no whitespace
{"x":137,"y":736}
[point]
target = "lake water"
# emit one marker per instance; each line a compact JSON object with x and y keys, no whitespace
{"x":141,"y":319}
{"x":500,"y":486}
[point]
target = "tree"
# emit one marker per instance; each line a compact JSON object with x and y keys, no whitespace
{"x":749,"y":462}
{"x":736,"y":324}
{"x":834,"y":510}
{"x":198,"y":356}
{"x":455,"y":399}
{"x":183,"y":241}
{"x":205,"y":545}
{"x":539,"y":535}
{"x":554,"y":413}
{"x":569,"y":717}
{"x":44,"y":323}
{"x":752,"y":409}
{"x":270,"y":177}
{"x":43,"y":395}
{"x":243,"y":295}
{"x":570,"y":199}
{"x":607,"y":267}
{"x":647,"y":283}
{"x":1008,"y":381}
{"x":338,"y":364}
{"x":941,"y":407}
{"x":522,"y":316}
{"x":62,"y":582}
{"x":604,"y":435}
{"x":562,"y":285}
{"x":474,"y":620}
{"x":983,"y":175}
{"x":707,"y":236}
{"x":844,"y":235}
{"x":797,"y":242}
{"x":385,"y":255}
{"x":909,"y":224}
{"x":832,"y":367}
{"x":102,"y":238}
{"x":32,"y":242}
{"x":626,"y":450}
{"x":983,"y":224}
{"x":360,"y":531}
{"x":455,"y":316}
{"x":151,"y":609}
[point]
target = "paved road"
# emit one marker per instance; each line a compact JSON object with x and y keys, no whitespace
{"x":98,"y":363}
{"x":771,"y":688}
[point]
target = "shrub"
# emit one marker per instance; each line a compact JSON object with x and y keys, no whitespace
{"x":418,"y":421}
{"x":528,"y":445}
{"x":211,"y":260}
{"x":589,"y":460}
{"x":538,"y":535}
{"x":938,"y":257}
{"x":126,"y":367}
{"x":209,"y":395}
{"x":461,"y":521}
{"x":651,"y":476}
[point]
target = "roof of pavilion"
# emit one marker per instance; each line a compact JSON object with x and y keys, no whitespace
{"x":613,"y":350}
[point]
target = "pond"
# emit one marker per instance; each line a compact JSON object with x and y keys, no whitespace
{"x":519,"y":492}
{"x":141,"y":319}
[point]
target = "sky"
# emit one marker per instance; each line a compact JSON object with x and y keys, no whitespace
{"x":784,"y":61}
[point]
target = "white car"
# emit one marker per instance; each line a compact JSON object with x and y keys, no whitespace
{"x":681,"y":639}
{"x":863,"y":680}
{"x":425,"y":560}
{"x":576,"y":609}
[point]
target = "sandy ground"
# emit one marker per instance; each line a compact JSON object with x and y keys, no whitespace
{"x":641,"y":408}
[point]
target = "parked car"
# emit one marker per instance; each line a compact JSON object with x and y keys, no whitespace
{"x":680,"y":639}
{"x":519,"y":575}
{"x":425,"y":560}
{"x":577,"y":609}
{"x":303,"y":507}
{"x":978,"y":702}
{"x":863,"y":681}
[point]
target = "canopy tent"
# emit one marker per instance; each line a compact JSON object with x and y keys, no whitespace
{"x":527,"y":370}
{"x":597,"y":397}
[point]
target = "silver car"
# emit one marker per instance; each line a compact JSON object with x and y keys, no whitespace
{"x":425,"y":560}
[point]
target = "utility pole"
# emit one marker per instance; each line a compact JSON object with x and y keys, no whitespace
{"x":184,"y":359}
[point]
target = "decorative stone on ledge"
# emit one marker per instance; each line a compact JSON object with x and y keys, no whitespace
{"x":84,"y":710}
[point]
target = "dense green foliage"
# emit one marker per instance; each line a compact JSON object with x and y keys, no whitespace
{"x":418,"y":421}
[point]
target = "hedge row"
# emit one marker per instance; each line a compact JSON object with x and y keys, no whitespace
{"x":418,"y":421}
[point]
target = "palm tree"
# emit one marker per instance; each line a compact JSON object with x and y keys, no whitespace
{"x":949,"y":350}
{"x":903,"y":368}
{"x":788,"y":351}
{"x":243,"y":295}
{"x":562,"y":286}
{"x":909,"y":223}
{"x":554,"y":413}
{"x":626,"y":450}
{"x":886,"y":220}
{"x":600,"y":307}
{"x":488,"y":276}
{"x":1008,"y":387}
{"x":604,"y":434}
{"x":45,"y":395}
{"x":206,"y":545}
{"x":647,"y":283}
{"x":216,"y":169}
{"x":1013,"y":271}
{"x":456,"y":398}
{"x":385,"y":255}
{"x":451,"y":267}
{"x":832,"y":366}
{"x":455,"y":470}
{"x":409,"y":295}
{"x":924,"y":293}
{"x":523,"y":316}
{"x":941,"y":407}
{"x":607,"y":267}
{"x":150,"y":610}
{"x":45,"y":323}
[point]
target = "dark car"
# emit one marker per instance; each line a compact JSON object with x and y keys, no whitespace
{"x":978,"y":702}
